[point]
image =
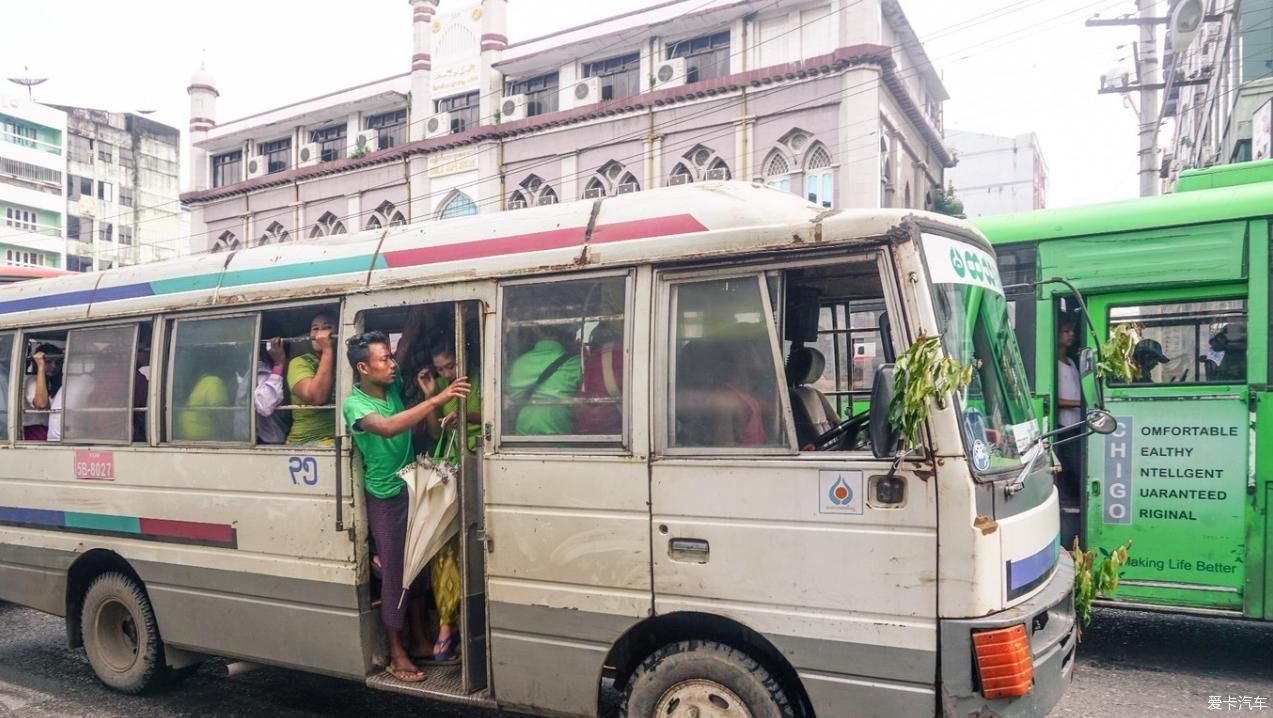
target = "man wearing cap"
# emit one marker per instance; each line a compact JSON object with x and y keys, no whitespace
{"x":1147,"y":355}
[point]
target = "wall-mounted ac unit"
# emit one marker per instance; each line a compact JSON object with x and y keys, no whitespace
{"x":669,"y":73}
{"x":517,"y":204}
{"x":594,"y":193}
{"x":679,"y":179}
{"x":719,"y":174}
{"x":310,"y":154}
{"x":585,"y":92}
{"x":549,"y":199}
{"x":367,"y":141}
{"x":438,"y":125}
{"x":628,"y":188}
{"x":512,"y":107}
{"x":258,"y":166}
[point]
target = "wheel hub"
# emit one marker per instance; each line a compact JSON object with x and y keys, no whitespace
{"x":117,"y":631}
{"x":700,"y":698}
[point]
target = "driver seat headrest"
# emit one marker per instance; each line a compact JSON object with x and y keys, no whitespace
{"x":805,"y":366}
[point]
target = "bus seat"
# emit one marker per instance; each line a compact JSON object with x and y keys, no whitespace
{"x":813,"y":414}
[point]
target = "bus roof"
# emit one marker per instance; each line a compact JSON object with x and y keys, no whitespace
{"x":700,"y":220}
{"x":1169,"y":210}
{"x":1239,"y":173}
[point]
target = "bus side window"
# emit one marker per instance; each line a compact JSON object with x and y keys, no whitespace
{"x":210,"y":359}
{"x":97,"y":392}
{"x":6,"y":364}
{"x":725,"y":384}
{"x":563,"y":357}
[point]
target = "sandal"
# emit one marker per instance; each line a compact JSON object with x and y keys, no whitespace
{"x":444,"y":650}
{"x":406,"y":675}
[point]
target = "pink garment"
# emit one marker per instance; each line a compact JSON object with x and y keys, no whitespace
{"x":753,"y":433}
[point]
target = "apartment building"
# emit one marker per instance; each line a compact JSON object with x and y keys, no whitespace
{"x":835,"y":101}
{"x":32,"y":191}
{"x":998,"y":175}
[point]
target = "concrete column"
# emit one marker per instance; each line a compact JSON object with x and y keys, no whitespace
{"x":494,"y":40}
{"x":569,"y":189}
{"x":421,"y":107}
{"x":353,"y":212}
{"x":203,"y":117}
{"x":419,"y":201}
{"x":858,"y":152}
{"x":859,"y":22}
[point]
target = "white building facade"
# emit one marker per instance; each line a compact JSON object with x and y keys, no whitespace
{"x":998,"y":175}
{"x":835,"y":101}
{"x":32,"y":187}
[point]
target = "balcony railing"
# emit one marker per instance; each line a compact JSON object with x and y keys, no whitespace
{"x":23,"y":141}
{"x":12,"y":228}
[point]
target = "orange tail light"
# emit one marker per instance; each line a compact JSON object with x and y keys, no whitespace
{"x":1004,"y":662}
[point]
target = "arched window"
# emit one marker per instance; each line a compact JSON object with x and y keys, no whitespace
{"x":610,"y":180}
{"x":534,"y":191}
{"x":777,"y":170}
{"x":459,"y":205}
{"x":327,"y":225}
{"x":385,"y":215}
{"x":700,"y":163}
{"x":274,"y":234}
{"x":819,"y":176}
{"x":227,"y":242}
{"x":517,"y":200}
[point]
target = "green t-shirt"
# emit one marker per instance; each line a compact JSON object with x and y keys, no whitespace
{"x":309,"y":426}
{"x":194,"y":424}
{"x":474,"y":405}
{"x":535,"y":419}
{"x":382,"y":458}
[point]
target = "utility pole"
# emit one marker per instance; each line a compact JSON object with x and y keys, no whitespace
{"x":1147,"y":75}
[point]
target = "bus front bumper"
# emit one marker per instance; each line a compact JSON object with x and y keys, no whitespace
{"x":1049,"y":621}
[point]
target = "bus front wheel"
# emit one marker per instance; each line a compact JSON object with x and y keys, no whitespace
{"x":121,"y":636}
{"x":703,"y":679}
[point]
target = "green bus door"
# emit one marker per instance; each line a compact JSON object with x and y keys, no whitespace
{"x":1175,"y":477}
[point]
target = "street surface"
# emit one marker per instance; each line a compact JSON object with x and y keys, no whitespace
{"x":1132,"y":664}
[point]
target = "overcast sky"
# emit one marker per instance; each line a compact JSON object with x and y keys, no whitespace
{"x":1011,"y":66}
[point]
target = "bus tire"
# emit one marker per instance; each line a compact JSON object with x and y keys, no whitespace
{"x":703,"y":678}
{"x":121,"y":636}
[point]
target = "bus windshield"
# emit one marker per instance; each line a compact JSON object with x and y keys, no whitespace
{"x":998,"y":424}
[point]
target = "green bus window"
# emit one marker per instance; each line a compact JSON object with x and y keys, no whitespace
{"x":725,"y":381}
{"x":96,"y":395}
{"x":211,"y":357}
{"x":1188,"y":342}
{"x":6,"y":364}
{"x":564,"y":359}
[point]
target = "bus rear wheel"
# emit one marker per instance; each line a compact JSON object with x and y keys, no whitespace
{"x":703,"y":679}
{"x":121,"y":636}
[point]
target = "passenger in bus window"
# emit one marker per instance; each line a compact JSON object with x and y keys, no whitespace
{"x":75,"y":393}
{"x":1229,"y":344}
{"x":271,"y":425}
{"x":38,"y":392}
{"x":547,"y":373}
{"x":141,"y":389}
{"x":381,"y":427}
{"x":194,"y":422}
{"x":444,"y":368}
{"x":311,"y":378}
{"x":1148,"y":355}
{"x":603,"y":381}
{"x":1069,"y":402}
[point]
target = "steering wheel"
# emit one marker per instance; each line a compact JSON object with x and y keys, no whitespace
{"x":838,"y":435}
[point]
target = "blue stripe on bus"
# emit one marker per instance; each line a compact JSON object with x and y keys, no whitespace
{"x":1027,"y":573}
{"x":46,"y":301}
{"x":31,"y":517}
{"x":127,"y":291}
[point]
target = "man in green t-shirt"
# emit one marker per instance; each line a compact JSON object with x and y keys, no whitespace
{"x":381,"y":426}
{"x":545,"y":374}
{"x":311,"y":378}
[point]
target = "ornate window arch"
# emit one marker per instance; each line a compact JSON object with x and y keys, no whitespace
{"x":327,"y":225}
{"x":612,"y":178}
{"x":699,"y":163}
{"x":226,"y":242}
{"x":456,"y":41}
{"x":385,"y":215}
{"x":457,"y":205}
{"x":276,"y":233}
{"x":531,"y":192}
{"x":819,"y":176}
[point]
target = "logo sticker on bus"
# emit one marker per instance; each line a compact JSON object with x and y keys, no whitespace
{"x":980,"y":455}
{"x":841,"y":492}
{"x":954,"y":262}
{"x":95,"y":465}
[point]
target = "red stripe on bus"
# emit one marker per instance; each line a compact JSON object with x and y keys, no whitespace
{"x":646,"y":228}
{"x":220,"y":534}
{"x":478,"y":249}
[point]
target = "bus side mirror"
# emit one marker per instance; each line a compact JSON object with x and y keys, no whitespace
{"x":1087,"y":361}
{"x":884,"y":438}
{"x":1101,"y":421}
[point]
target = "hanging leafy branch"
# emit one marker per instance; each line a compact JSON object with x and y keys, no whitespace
{"x":1093,"y":580}
{"x":921,"y":378}
{"x":1116,"y":356}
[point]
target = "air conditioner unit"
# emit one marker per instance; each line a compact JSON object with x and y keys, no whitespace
{"x":628,"y":188}
{"x":438,"y":125}
{"x":517,"y":204}
{"x":669,"y":73}
{"x":719,"y":174}
{"x":594,"y":193}
{"x":550,"y":199}
{"x":367,"y":141}
{"x":585,"y":92}
{"x":679,"y":179}
{"x":512,"y":107}
{"x":258,"y":166}
{"x":310,"y":154}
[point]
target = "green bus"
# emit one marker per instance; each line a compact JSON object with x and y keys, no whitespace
{"x":1188,"y":475}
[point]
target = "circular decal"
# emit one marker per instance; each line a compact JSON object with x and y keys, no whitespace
{"x":957,"y":263}
{"x":980,"y":455}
